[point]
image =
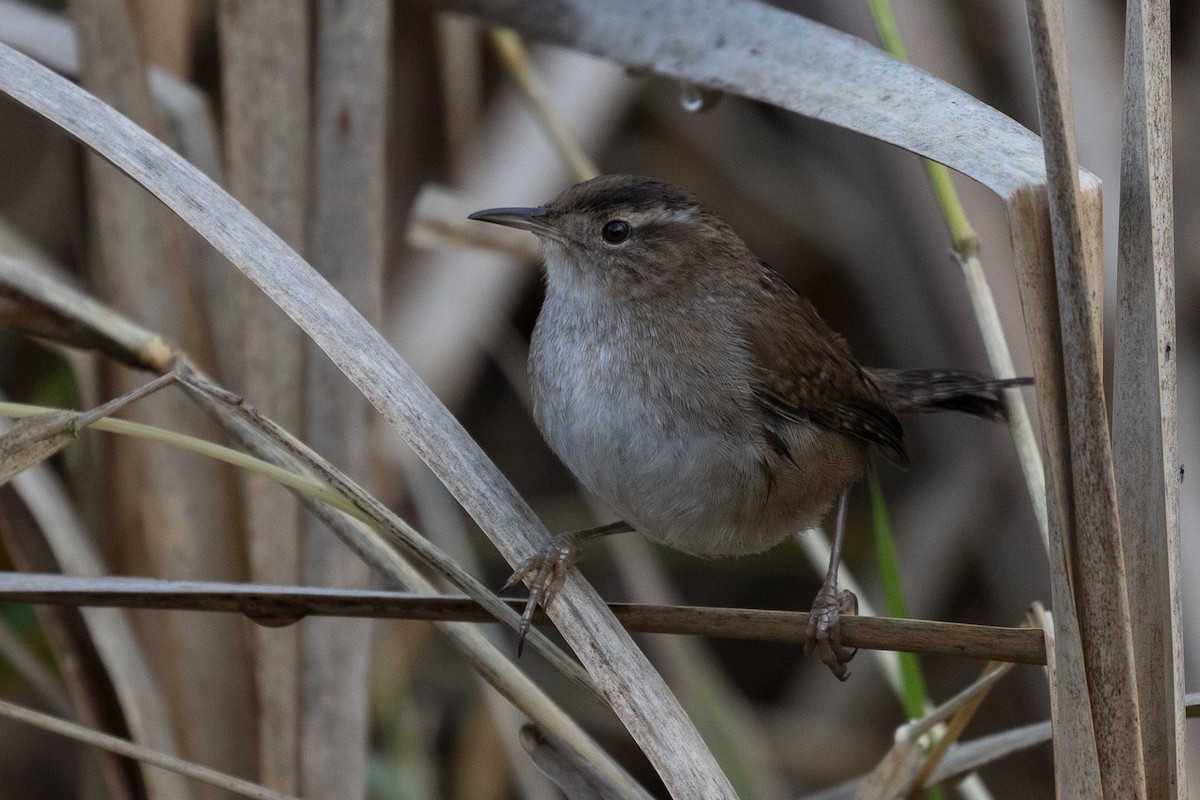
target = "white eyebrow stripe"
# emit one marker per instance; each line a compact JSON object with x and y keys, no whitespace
{"x":662,"y":214}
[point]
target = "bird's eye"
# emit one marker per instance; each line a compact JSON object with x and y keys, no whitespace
{"x":616,"y":231}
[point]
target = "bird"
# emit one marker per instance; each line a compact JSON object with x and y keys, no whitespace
{"x":697,"y":394}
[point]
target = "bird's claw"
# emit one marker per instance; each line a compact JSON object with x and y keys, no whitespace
{"x":544,"y":573}
{"x":824,"y":634}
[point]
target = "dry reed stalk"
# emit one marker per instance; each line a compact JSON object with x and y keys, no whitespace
{"x":460,"y":69}
{"x":142,"y":701}
{"x":273,"y":604}
{"x":1092,"y":539}
{"x":91,"y":695}
{"x":166,"y":33}
{"x":347,"y":247}
{"x":1146,"y":439}
{"x":266,"y":87}
{"x":170,"y":513}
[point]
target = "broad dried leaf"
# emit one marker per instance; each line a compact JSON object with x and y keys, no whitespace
{"x":32,"y":440}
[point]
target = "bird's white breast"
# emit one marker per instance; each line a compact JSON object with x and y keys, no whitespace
{"x":618,"y":404}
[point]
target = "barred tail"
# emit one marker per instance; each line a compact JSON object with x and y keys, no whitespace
{"x":915,"y":390}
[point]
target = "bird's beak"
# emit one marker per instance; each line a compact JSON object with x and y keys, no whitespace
{"x":526,"y":219}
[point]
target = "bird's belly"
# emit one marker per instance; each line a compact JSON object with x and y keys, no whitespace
{"x":681,"y":480}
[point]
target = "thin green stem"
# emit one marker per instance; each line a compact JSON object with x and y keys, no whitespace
{"x":966,"y":252}
{"x":913,"y":695}
{"x":966,"y":241}
{"x":885,"y":25}
{"x":302,"y":484}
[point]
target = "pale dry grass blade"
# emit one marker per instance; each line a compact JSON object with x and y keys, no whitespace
{"x":347,"y":247}
{"x":962,"y":758}
{"x":1000,"y":357}
{"x":1076,"y":767}
{"x":572,"y":775}
{"x":144,"y":754}
{"x":976,"y":753}
{"x":91,"y":694}
{"x":266,"y":88}
{"x":1146,"y":439}
{"x":1075,"y":759}
{"x":766,"y":53}
{"x":142,"y":701}
{"x":1094,"y":546}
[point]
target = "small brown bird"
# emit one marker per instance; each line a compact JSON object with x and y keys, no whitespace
{"x":691,"y":389}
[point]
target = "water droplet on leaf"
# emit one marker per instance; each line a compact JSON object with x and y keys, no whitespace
{"x":695,"y":99}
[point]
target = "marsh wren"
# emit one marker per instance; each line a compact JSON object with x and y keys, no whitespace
{"x":691,"y":389}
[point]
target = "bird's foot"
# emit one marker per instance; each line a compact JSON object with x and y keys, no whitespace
{"x":544,"y":573}
{"x":824,"y":634}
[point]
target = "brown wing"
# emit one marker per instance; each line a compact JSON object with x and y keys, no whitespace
{"x":804,"y":372}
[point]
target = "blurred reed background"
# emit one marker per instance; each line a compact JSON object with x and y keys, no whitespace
{"x":362,"y":134}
